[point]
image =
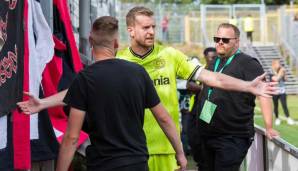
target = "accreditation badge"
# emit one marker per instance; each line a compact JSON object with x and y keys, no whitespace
{"x":208,"y":111}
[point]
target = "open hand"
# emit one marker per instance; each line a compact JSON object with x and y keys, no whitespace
{"x":261,"y":88}
{"x":33,"y":105}
{"x":271,"y":133}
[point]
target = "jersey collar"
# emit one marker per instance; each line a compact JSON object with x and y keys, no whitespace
{"x":141,"y":56}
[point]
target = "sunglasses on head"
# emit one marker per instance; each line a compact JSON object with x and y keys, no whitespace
{"x":224,"y":40}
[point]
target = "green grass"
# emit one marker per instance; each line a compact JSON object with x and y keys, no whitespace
{"x":288,"y":132}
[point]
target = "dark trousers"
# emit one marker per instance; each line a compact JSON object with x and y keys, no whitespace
{"x":193,"y":137}
{"x":48,"y":165}
{"x":222,"y":153}
{"x":283,"y":100}
{"x":132,"y":167}
{"x":185,"y":119}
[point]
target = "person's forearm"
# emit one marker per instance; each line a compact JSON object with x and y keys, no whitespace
{"x":171,"y":132}
{"x":223,"y":81}
{"x":168,"y":126}
{"x":230,"y":83}
{"x":266,"y":109}
{"x":66,"y":152}
{"x":54,"y":100}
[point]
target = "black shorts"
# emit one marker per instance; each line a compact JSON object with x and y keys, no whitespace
{"x":132,"y":167}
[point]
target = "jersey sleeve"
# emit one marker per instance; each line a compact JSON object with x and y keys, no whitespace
{"x":252,"y":69}
{"x":76,"y":95}
{"x":151,"y":97}
{"x":185,"y":69}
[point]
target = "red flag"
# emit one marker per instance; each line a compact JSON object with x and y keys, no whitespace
{"x":21,"y":122}
{"x":64,"y":66}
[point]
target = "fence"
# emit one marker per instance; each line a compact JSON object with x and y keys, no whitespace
{"x":197,"y":24}
{"x":270,"y":155}
{"x":189,"y":23}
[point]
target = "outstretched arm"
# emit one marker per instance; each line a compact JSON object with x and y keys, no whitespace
{"x":257,"y":86}
{"x":167,"y":125}
{"x":34,"y":104}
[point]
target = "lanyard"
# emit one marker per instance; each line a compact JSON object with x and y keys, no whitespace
{"x":220,"y":71}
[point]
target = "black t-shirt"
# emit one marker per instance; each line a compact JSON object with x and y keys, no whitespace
{"x":114,"y":94}
{"x":235,"y":110}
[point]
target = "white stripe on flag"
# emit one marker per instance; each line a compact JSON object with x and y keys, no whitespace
{"x":3,"y":132}
{"x":33,"y":73}
{"x":57,"y":132}
{"x":40,"y":38}
{"x":34,"y":127}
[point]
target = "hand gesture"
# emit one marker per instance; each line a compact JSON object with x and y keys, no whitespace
{"x":274,"y":78}
{"x":271,"y":133}
{"x":33,"y":105}
{"x":261,"y":88}
{"x":181,"y":161}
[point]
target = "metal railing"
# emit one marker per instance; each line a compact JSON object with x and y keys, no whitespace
{"x":270,"y":155}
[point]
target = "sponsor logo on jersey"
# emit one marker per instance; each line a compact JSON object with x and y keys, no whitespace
{"x":161,"y":81}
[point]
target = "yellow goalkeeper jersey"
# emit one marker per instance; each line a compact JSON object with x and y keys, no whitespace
{"x":164,"y":65}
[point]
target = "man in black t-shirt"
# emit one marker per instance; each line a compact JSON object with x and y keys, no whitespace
{"x":226,"y":124}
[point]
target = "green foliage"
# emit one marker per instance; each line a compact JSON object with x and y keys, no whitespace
{"x":230,"y":1}
{"x":268,"y":2}
{"x":159,"y":1}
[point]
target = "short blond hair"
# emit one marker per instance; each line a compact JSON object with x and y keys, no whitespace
{"x":139,"y":10}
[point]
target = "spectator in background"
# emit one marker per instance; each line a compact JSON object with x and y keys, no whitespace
{"x":165,"y":28}
{"x":249,"y":27}
{"x":196,"y":106}
{"x":187,"y":94}
{"x":296,"y":17}
{"x":184,"y":107}
{"x":279,"y":75}
{"x":209,"y":55}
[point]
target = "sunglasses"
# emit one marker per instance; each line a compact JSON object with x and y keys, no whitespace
{"x":224,"y":40}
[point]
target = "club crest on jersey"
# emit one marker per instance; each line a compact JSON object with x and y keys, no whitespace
{"x":160,"y":63}
{"x":161,"y":81}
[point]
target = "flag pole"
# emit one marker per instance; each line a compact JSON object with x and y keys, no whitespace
{"x":84,"y":25}
{"x":47,"y":9}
